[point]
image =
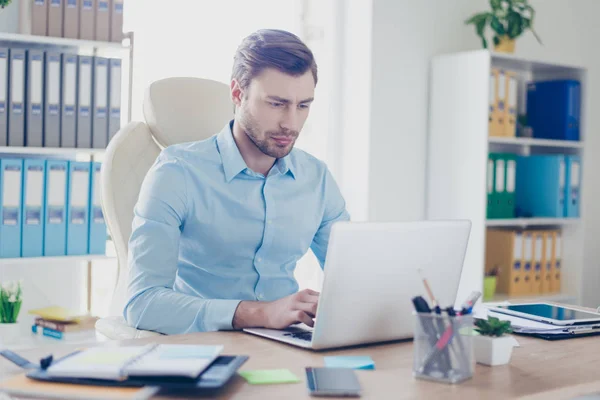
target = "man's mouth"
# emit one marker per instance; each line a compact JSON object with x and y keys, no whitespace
{"x":283,"y":140}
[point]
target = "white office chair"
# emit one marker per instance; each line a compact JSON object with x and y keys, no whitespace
{"x":177,"y":110}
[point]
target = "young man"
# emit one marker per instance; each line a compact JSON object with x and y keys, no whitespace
{"x":220,"y":223}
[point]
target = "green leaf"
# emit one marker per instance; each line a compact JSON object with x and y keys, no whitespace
{"x":496,"y":40}
{"x":497,"y":26}
{"x":514,"y":24}
{"x":477,"y":17}
{"x":496,"y":4}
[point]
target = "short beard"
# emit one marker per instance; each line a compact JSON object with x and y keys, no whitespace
{"x":250,"y":127}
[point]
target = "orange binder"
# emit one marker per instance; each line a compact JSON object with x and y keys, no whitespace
{"x":556,"y":263}
{"x":538,"y":255}
{"x":504,"y":252}
{"x":547,"y":261}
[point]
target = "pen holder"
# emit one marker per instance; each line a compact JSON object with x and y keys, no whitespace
{"x":443,"y":347}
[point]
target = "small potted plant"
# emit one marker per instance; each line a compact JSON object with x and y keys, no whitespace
{"x":489,"y":283}
{"x":493,"y":345}
{"x":10,"y":304}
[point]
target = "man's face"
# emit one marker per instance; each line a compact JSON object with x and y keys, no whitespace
{"x":273,"y":110}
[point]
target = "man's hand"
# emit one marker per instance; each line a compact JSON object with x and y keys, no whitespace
{"x":279,"y":314}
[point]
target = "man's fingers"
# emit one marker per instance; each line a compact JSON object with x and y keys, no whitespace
{"x":301,"y":316}
{"x":308,"y":295}
{"x":309,"y":308}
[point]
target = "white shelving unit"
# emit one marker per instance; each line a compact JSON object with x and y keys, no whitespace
{"x":62,"y":42}
{"x":457,"y":158}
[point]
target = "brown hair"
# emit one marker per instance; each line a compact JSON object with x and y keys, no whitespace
{"x":271,"y":48}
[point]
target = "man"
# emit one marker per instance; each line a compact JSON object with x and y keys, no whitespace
{"x":220,"y":223}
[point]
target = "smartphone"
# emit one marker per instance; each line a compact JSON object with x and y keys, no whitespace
{"x":341,"y":382}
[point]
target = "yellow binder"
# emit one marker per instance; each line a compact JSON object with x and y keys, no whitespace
{"x":512,"y":87}
{"x":493,"y":104}
{"x":528,"y":275}
{"x":538,"y":255}
{"x":504,"y":252}
{"x":556,"y":262}
{"x":547,"y":261}
{"x":501,"y":109}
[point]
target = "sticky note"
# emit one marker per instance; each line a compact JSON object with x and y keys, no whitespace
{"x":269,"y":376}
{"x":354,"y":362}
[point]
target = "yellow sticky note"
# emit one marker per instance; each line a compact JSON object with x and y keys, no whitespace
{"x":269,"y":376}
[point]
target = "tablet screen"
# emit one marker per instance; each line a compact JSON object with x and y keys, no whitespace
{"x":551,"y":311}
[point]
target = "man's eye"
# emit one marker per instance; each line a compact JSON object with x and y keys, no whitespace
{"x":276,"y":104}
{"x":303,"y":106}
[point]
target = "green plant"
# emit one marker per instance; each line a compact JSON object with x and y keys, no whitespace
{"x":10,"y":301}
{"x":4,"y":3}
{"x":507,"y":18}
{"x":492,"y":327}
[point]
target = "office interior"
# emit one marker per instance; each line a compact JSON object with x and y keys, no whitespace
{"x":402,"y":117}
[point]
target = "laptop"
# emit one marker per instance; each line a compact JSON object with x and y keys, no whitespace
{"x":372,"y":272}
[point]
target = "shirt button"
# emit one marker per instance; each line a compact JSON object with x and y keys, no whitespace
{"x":259,"y":259}
{"x":261,"y":296}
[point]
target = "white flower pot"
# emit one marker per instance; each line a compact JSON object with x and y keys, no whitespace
{"x":10,"y":333}
{"x":493,"y":350}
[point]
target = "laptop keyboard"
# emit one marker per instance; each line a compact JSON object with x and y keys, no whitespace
{"x":303,"y":335}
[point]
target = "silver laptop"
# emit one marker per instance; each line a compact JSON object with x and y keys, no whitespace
{"x":372,"y":274}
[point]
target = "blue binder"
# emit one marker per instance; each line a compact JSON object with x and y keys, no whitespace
{"x":34,"y":174}
{"x":553,"y":109}
{"x":97,"y":236}
{"x":573,"y":186}
{"x":55,"y":208}
{"x":541,"y":188}
{"x":78,"y":208}
{"x":11,"y":179}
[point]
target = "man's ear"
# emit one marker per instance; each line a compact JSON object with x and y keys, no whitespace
{"x":236,"y":92}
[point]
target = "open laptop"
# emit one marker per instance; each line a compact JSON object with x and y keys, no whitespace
{"x":372,"y":274}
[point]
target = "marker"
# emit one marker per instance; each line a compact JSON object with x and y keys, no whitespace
{"x":436,"y":306}
{"x":468,"y":304}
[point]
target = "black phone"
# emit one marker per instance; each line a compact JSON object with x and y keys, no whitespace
{"x":332,"y":382}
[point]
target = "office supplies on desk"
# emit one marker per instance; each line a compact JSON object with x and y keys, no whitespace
{"x":548,"y":313}
{"x":332,"y":382}
{"x":354,"y":362}
{"x":469,"y":302}
{"x":269,"y":376}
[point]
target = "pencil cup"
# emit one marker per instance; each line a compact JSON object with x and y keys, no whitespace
{"x":443,"y":347}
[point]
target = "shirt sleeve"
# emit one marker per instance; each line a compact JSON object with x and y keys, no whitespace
{"x":335,"y":211}
{"x":159,"y":216}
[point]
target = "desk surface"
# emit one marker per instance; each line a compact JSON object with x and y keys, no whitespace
{"x":538,"y":370}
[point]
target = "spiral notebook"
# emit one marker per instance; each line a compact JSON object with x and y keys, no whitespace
{"x":120,"y":363}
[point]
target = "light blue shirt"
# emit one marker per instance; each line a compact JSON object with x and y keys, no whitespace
{"x":208,"y":232}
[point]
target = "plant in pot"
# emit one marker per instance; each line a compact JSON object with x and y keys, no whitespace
{"x":4,"y":3}
{"x":489,"y":283}
{"x":11,"y":297}
{"x":493,"y":345}
{"x":508,"y":20}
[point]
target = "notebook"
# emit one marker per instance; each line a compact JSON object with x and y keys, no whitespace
{"x":119,"y":363}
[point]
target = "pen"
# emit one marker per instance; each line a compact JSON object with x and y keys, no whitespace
{"x":468,"y":304}
{"x":434,"y":302}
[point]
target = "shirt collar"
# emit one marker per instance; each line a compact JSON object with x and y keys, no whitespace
{"x":233,"y":162}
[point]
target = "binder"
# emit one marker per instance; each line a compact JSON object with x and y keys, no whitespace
{"x":10,"y":206}
{"x":493,"y":103}
{"x":541,"y":186}
{"x":102,"y":20}
{"x":501,"y":112}
{"x":34,"y":117}
{"x":511,"y":106}
{"x":528,"y":267}
{"x":16,"y":116}
{"x":39,"y":18}
{"x":84,"y":103}
{"x":51,"y":136}
{"x":78,"y":208}
{"x":33,"y":208}
{"x":55,"y":208}
{"x":504,"y":251}
{"x":510,"y":161}
{"x":499,"y":186}
{"x":116,"y":20}
{"x":538,"y":257}
{"x":87,"y":20}
{"x":97,"y":234}
{"x":554,"y":109}
{"x":100,"y":114}
{"x":555,"y":276}
{"x":3,"y":96}
{"x":490,"y":186}
{"x":68,"y":118}
{"x":547,"y":261}
{"x":573,"y":165}
{"x":55,"y":18}
{"x":114,"y":97}
{"x":72,"y":9}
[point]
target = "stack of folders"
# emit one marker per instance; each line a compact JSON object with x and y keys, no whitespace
{"x":50,"y":208}
{"x":527,"y":262}
{"x":78,"y":19}
{"x":54,"y":99}
{"x":503,"y":103}
{"x":501,"y":185}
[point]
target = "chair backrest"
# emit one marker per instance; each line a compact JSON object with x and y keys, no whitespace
{"x":177,"y":110}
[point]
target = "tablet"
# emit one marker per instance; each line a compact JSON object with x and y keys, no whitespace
{"x":548,"y":313}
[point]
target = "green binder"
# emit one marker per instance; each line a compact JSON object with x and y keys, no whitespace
{"x":490,"y":186}
{"x":510,"y":163}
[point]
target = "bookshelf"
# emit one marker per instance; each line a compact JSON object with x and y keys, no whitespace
{"x":13,"y":38}
{"x":52,"y":260}
{"x":458,"y":146}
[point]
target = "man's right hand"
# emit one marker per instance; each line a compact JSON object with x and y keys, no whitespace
{"x":278,"y":314}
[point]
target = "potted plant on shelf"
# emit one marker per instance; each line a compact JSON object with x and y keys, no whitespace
{"x":4,"y":3}
{"x":489,"y":283}
{"x":493,"y":345}
{"x":11,"y":297}
{"x":508,"y":19}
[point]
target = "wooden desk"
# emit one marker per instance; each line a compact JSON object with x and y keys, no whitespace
{"x":538,"y":370}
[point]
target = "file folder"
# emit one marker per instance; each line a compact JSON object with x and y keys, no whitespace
{"x":55,"y":18}
{"x":501,"y":113}
{"x":68,"y":117}
{"x":100,"y":116}
{"x":538,"y":257}
{"x":528,"y":270}
{"x":510,"y":161}
{"x":491,"y":198}
{"x":114,"y":97}
{"x":511,"y":106}
{"x":87,"y":20}
{"x":504,"y":252}
{"x":116,"y":21}
{"x":39,"y":18}
{"x":554,"y":109}
{"x":102,"y":20}
{"x":52,"y":101}
{"x":16,"y":116}
{"x":78,"y":208}
{"x":97,"y":235}
{"x":33,"y":208}
{"x":34,"y":125}
{"x":547,"y":261}
{"x":55,"y":208}
{"x":555,"y":277}
{"x":493,"y":103}
{"x":72,"y":9}
{"x":499,"y":183}
{"x":573,"y":185}
{"x":541,"y":186}
{"x":84,"y":103}
{"x":10,"y":205}
{"x":3,"y":96}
